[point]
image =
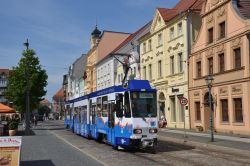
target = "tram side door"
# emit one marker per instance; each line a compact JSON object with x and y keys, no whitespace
{"x":111,"y":121}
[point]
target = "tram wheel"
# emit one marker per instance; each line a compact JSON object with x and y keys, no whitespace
{"x":100,"y":138}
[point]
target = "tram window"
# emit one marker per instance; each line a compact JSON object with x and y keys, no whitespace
{"x":79,"y":114}
{"x":67,"y":112}
{"x":84,"y":120}
{"x":93,"y":114}
{"x":99,"y":106}
{"x":105,"y":106}
{"x":70,"y":115}
{"x":127,"y":111}
{"x":119,"y":105}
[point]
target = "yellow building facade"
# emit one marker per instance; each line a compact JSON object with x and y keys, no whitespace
{"x":91,"y":71}
{"x":164,"y":57}
{"x":90,"y":81}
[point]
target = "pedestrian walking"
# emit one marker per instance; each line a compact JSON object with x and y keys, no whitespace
{"x":34,"y":120}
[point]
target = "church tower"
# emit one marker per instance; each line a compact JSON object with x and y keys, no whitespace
{"x":95,"y":36}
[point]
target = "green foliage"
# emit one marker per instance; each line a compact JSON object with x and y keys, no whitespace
{"x":42,"y":109}
{"x":13,"y":124}
{"x":28,"y":69}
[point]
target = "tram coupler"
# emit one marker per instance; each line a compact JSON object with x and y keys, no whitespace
{"x":148,"y":143}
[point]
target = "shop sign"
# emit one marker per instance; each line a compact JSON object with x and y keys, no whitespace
{"x":10,"y":148}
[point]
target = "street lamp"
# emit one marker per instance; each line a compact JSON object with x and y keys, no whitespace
{"x":209,"y":81}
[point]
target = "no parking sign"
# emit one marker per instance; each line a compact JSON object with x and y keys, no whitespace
{"x":183,"y":101}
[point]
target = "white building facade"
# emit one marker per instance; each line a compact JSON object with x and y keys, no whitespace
{"x":130,"y":47}
{"x":105,"y":73}
{"x":76,"y":82}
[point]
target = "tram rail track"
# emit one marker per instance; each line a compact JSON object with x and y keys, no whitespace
{"x":169,"y":153}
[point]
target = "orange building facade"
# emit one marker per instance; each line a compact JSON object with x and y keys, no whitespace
{"x":222,"y":50}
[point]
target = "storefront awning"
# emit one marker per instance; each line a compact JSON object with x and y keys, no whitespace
{"x":6,"y":109}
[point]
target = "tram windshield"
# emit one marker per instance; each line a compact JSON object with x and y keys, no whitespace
{"x":143,"y":104}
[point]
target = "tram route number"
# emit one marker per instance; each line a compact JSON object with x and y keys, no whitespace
{"x":183,"y":101}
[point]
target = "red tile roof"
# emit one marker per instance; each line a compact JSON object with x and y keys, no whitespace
{"x":59,"y":94}
{"x":244,"y":8}
{"x":167,"y":14}
{"x":5,"y":71}
{"x":182,"y":6}
{"x":130,"y":37}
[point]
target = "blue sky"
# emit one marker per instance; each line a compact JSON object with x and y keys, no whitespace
{"x":59,"y":30}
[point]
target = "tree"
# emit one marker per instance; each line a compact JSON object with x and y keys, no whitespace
{"x":27,"y":72}
{"x":43,"y":109}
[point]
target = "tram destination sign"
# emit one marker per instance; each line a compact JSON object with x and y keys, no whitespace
{"x":183,"y":101}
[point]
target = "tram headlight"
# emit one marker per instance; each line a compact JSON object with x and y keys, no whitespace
{"x":137,"y":131}
{"x":153,"y":130}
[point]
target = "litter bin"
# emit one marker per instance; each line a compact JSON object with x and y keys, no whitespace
{"x":1,"y":129}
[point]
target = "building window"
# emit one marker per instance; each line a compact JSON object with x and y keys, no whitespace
{"x":150,"y":71}
{"x":197,"y":111}
{"x":173,"y":110}
{"x":210,"y":35}
{"x":222,"y":27}
{"x":171,"y":33}
{"x":224,"y":110}
{"x":159,"y":39}
{"x":149,"y":45}
{"x":145,"y":72}
{"x":198,"y":68}
{"x":159,"y":69}
{"x":221,"y":62}
{"x":238,"y":110}
{"x":180,"y":62}
{"x":210,"y":65}
{"x":172,"y":64}
{"x":144,"y":47}
{"x":237,"y":58}
{"x":179,"y":28}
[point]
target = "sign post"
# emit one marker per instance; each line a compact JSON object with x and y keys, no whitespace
{"x":10,"y":148}
{"x":184,"y":102}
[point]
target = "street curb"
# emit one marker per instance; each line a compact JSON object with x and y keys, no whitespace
{"x":206,"y":146}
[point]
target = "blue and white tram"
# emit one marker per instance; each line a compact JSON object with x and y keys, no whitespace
{"x":119,"y":116}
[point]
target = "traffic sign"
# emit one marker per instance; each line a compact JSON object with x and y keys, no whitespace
{"x":183,"y":101}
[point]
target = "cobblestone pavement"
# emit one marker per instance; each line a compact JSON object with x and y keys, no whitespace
{"x":169,"y":152}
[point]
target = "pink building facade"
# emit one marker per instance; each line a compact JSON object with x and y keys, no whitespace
{"x":222,"y":49}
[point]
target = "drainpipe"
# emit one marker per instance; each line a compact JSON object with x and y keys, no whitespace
{"x":187,"y":61}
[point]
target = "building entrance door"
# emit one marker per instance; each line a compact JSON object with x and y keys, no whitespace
{"x":207,"y":112}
